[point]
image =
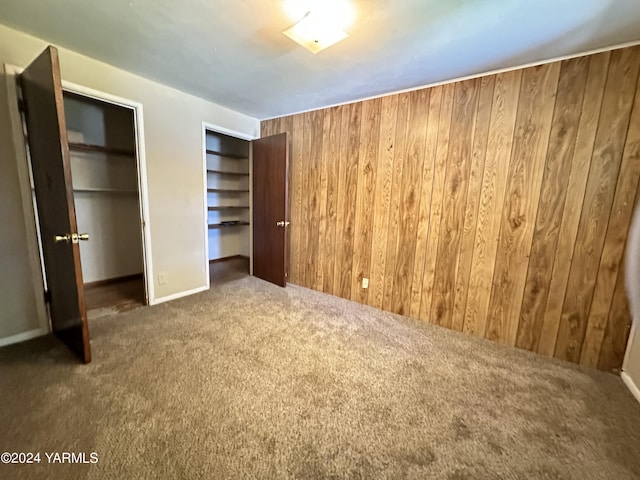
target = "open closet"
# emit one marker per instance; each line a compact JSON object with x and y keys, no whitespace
{"x":102,"y":150}
{"x":228,"y":203}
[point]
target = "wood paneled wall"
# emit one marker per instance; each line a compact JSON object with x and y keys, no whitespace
{"x":497,"y":206}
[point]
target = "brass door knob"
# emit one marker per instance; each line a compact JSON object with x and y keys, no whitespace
{"x":62,"y":238}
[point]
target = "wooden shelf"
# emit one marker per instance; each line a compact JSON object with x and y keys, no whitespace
{"x":233,"y":174}
{"x":85,"y":147}
{"x":104,"y":190}
{"x":233,"y":207}
{"x":226,"y":190}
{"x":219,"y":225}
{"x":227,"y":155}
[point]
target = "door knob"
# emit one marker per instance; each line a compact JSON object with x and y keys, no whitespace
{"x":62,"y":238}
{"x":74,"y":237}
{"x":282,"y":223}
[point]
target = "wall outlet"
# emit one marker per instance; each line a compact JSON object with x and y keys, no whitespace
{"x":365,"y":283}
{"x":162,"y":278}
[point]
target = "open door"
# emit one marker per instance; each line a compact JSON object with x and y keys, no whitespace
{"x":271,"y":208}
{"x":51,"y":169}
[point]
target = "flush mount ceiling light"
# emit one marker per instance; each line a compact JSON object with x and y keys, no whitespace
{"x":315,"y":33}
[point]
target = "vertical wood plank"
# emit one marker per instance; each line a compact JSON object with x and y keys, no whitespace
{"x":410,"y":200}
{"x":394,"y":206}
{"x":478,"y":155}
{"x":341,"y":206}
{"x":437,"y":196}
{"x":607,"y":156}
{"x":589,"y":118}
{"x":612,"y":255}
{"x":533,"y":124}
{"x":367,"y":170}
{"x":315,"y":196}
{"x":503,"y":117}
{"x":428,"y":174}
{"x":616,"y":335}
{"x":382,"y":213}
{"x":351,"y":193}
{"x":323,"y":190}
{"x":305,"y":221}
{"x":333,"y":172}
{"x":573,"y":76}
{"x":296,"y":160}
{"x":455,"y":197}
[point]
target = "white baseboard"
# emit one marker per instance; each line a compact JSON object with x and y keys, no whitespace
{"x":633,"y":388}
{"x":21,"y":337}
{"x":156,"y":301}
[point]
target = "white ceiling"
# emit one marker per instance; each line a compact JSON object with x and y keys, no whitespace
{"x":233,"y":52}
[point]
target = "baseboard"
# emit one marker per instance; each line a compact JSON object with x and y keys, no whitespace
{"x":232,"y":257}
{"x":22,"y":337}
{"x":633,"y":388}
{"x":168,"y":298}
{"x":109,"y":281}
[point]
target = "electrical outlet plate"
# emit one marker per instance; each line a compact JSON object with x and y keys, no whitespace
{"x":365,"y":283}
{"x":162,"y":278}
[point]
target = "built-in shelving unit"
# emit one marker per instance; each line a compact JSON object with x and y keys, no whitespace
{"x":228,"y":196}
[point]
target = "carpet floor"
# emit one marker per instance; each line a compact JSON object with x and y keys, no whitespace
{"x":248,"y":380}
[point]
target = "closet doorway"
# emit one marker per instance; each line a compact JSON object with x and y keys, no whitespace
{"x":228,"y":205}
{"x":102,"y":148}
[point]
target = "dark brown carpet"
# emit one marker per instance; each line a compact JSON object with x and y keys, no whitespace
{"x":252,"y":381}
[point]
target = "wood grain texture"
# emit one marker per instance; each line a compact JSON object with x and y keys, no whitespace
{"x":394,"y":203}
{"x":295,"y":199}
{"x":480,"y":139}
{"x":384,"y":181}
{"x":562,"y":142}
{"x":533,"y":124}
{"x":465,"y":104}
{"x":437,"y":194}
{"x":367,"y":170}
{"x":333,"y":171}
{"x":428,"y":175}
{"x":503,"y":118}
{"x":410,"y":200}
{"x":615,"y":241}
{"x":587,"y":126}
{"x":596,"y":209}
{"x":498,"y":206}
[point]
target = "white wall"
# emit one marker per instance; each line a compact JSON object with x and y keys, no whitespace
{"x":173,"y":142}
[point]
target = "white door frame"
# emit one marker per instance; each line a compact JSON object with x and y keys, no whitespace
{"x":35,"y":261}
{"x":243,"y":136}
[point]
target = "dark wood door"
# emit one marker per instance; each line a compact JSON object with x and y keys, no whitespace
{"x":50,"y":164}
{"x":271,"y":208}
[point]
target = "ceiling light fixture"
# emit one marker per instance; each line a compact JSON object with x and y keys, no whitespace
{"x":315,"y":33}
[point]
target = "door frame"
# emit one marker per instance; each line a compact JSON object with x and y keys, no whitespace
{"x":29,"y":210}
{"x":206,"y":126}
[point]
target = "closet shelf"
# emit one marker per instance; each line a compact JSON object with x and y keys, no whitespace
{"x":105,"y":190}
{"x":227,"y":155}
{"x":233,"y":174}
{"x":234,"y":207}
{"x":85,"y":147}
{"x":226,"y":190}
{"x":220,"y":225}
